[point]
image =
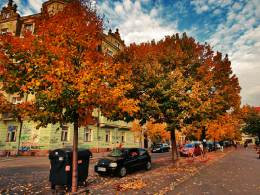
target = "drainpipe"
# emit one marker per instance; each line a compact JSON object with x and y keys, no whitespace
{"x":21,"y":126}
{"x":98,"y":129}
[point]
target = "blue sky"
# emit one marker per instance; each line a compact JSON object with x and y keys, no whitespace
{"x":230,"y":27}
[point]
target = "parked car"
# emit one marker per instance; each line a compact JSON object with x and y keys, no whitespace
{"x":210,"y":146}
{"x":161,"y":148}
{"x":199,"y":143}
{"x":124,"y":160}
{"x":227,"y":143}
{"x":181,"y":146}
{"x":218,"y":146}
{"x":192,"y":149}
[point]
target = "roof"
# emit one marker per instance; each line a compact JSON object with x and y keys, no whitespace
{"x":257,"y":108}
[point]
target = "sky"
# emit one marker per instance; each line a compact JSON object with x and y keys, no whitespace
{"x":230,"y":26}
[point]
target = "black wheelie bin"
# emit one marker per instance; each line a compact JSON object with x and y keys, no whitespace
{"x":61,"y":166}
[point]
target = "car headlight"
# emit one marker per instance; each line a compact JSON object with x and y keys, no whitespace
{"x":113,"y":165}
{"x":96,"y":163}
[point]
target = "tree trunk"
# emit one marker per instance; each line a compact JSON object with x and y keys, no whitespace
{"x":215,"y":145}
{"x":75,"y":154}
{"x":204,"y":137}
{"x":174,"y":150}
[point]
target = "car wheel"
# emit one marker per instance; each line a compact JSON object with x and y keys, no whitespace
{"x":168,"y":150}
{"x":122,"y":172}
{"x":148,"y":165}
{"x":161,"y":150}
{"x":52,"y":186}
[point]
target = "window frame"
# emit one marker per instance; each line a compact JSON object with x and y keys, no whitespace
{"x":4,"y":31}
{"x":7,"y":15}
{"x":117,"y":45}
{"x":27,"y":25}
{"x":13,"y":133}
{"x":123,"y":137}
{"x":63,"y":134}
{"x":109,"y":53}
{"x":17,"y":100}
{"x":89,"y":135}
{"x":108,"y":136}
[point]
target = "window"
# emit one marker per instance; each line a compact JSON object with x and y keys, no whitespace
{"x":117,"y":45}
{"x":11,"y":134}
{"x":122,"y":136}
{"x":28,"y":27}
{"x":17,"y":100}
{"x":108,"y":136}
{"x":109,"y":52}
{"x":87,"y":135}
{"x":64,"y":133}
{"x":4,"y":31}
{"x":7,"y":15}
{"x":144,"y":153}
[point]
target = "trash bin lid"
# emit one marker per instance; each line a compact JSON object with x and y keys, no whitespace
{"x":68,"y":152}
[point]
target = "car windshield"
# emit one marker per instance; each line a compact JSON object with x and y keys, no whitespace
{"x":158,"y":145}
{"x":119,"y":153}
{"x":189,"y":146}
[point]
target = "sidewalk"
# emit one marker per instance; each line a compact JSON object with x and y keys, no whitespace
{"x":33,"y":160}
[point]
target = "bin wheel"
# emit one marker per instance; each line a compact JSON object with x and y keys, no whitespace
{"x":52,"y":186}
{"x":122,"y":172}
{"x":68,"y":187}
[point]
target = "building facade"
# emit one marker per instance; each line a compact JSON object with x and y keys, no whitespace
{"x":22,"y":137}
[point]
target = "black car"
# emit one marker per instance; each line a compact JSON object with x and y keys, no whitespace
{"x":161,"y":148}
{"x":124,"y":160}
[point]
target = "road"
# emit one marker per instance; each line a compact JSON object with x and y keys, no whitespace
{"x":28,"y":179}
{"x":236,"y":173}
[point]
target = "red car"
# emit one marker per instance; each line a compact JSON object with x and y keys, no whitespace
{"x":190,"y":149}
{"x":181,"y":146}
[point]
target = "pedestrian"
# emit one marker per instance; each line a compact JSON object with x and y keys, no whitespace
{"x":245,"y":144}
{"x":235,"y":144}
{"x":120,"y":146}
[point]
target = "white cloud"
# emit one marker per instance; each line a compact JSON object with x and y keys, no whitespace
{"x":36,"y":4}
{"x":237,"y":6}
{"x":135,"y":25}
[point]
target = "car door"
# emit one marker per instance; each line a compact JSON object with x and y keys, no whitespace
{"x":133,"y":160}
{"x":196,"y":149}
{"x":144,"y":157}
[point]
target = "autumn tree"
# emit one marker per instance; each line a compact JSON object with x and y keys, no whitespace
{"x":180,"y":83}
{"x":227,"y":127}
{"x":156,"y":132}
{"x":61,"y":66}
{"x":251,"y":121}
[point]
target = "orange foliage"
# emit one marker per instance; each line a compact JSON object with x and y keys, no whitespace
{"x":227,"y":127}
{"x":156,"y":132}
{"x":61,"y":66}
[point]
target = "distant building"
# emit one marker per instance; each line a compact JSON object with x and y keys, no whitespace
{"x":23,"y":137}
